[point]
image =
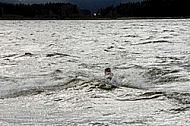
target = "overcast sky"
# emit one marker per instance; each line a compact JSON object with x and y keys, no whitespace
{"x":92,"y":5}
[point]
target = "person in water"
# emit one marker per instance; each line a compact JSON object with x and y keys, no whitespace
{"x":109,"y":77}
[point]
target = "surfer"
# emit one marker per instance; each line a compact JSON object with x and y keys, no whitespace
{"x":109,"y":77}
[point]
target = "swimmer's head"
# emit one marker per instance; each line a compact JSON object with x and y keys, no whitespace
{"x":108,"y":70}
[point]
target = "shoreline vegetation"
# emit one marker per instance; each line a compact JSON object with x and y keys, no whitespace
{"x":146,"y":9}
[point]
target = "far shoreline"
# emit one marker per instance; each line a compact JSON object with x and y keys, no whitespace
{"x":15,"y":17}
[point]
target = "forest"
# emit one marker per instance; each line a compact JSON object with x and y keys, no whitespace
{"x":39,"y":11}
{"x":143,"y":9}
{"x":149,"y":8}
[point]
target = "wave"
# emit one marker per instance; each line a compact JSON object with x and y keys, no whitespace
{"x":144,"y":96}
{"x":163,"y":76}
{"x":56,"y":82}
{"x":13,"y":93}
{"x":136,"y":77}
{"x":181,"y":97}
{"x":75,"y":84}
{"x":9,"y":55}
{"x":57,"y":54}
{"x":15,"y":55}
{"x":152,"y":42}
{"x":180,"y":109}
{"x":60,"y":55}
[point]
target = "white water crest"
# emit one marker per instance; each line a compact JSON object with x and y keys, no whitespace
{"x":54,"y":70}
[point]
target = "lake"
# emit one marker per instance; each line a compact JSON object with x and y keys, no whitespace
{"x":51,"y":72}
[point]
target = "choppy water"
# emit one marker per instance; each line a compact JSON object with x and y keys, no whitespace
{"x":152,"y":56}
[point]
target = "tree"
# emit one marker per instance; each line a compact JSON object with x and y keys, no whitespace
{"x":149,"y":8}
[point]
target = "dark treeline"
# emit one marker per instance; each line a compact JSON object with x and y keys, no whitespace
{"x":48,"y":10}
{"x":149,"y":8}
{"x":145,"y":8}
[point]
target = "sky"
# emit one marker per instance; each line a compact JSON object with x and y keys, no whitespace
{"x":92,"y":5}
